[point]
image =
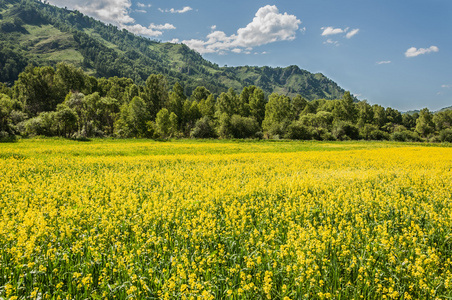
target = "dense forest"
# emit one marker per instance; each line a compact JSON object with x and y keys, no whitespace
{"x":65,"y":101}
{"x":39,"y":34}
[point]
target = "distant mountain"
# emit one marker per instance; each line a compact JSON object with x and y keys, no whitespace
{"x":32,"y":32}
{"x":444,"y":109}
{"x":411,"y":112}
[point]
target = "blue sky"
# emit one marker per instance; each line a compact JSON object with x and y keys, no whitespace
{"x":391,"y":52}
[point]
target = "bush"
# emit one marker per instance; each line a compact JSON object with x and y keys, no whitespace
{"x":243,"y":127}
{"x":6,"y":137}
{"x":203,"y":129}
{"x":297,"y":131}
{"x":405,"y":136}
{"x":445,"y":135}
{"x":345,"y":131}
{"x":379,"y":135}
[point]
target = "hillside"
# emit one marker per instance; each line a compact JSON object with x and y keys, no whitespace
{"x":32,"y":32}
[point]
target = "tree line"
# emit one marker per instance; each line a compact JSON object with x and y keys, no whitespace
{"x":64,"y":101}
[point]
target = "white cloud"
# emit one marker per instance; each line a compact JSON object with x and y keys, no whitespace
{"x":140,"y":10}
{"x":447,"y":86}
{"x":116,"y":12}
{"x":413,"y":52}
{"x":331,"y":42}
{"x":268,"y":26}
{"x":351,"y":33}
{"x":177,"y":11}
{"x":165,"y":26}
{"x":110,"y":11}
{"x":330,"y":30}
{"x":383,"y":62}
{"x":139,"y":4}
{"x":174,"y":41}
{"x":327,"y":31}
{"x":151,"y":30}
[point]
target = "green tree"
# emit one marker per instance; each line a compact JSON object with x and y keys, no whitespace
{"x":345,"y":110}
{"x":207,"y":107}
{"x":365,"y":113}
{"x":224,"y":126}
{"x":200,"y":93}
{"x":69,"y":78}
{"x":393,"y":116}
{"x":424,"y":124}
{"x":176,"y":102}
{"x":66,"y":120}
{"x":277,"y":114}
{"x":379,"y":115}
{"x":7,"y":107}
{"x":297,"y":106}
{"x":442,"y":120}
{"x":227,"y":103}
{"x":130,"y":92}
{"x":203,"y":129}
{"x":155,"y":94}
{"x":133,"y":119}
{"x":37,"y":90}
{"x":243,"y":127}
{"x":165,"y":123}
{"x":257,"y":105}
{"x":245,"y":97}
{"x":76,"y":102}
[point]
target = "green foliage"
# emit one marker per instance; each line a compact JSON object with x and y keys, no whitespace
{"x":257,"y":105}
{"x":424,"y":124}
{"x":165,"y":123}
{"x":38,"y":90}
{"x":243,"y":127}
{"x":445,"y":135}
{"x":343,"y":130}
{"x":227,"y":103}
{"x":277,"y":114}
{"x":405,"y":136}
{"x":203,"y":129}
{"x":298,"y":131}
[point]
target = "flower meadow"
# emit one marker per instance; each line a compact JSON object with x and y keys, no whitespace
{"x":138,"y":219}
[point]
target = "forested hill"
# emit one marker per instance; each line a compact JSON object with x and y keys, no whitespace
{"x":32,"y":32}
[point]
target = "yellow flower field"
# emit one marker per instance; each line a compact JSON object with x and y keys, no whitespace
{"x":225,"y":220}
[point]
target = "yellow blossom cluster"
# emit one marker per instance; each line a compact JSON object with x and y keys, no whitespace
{"x":225,"y":220}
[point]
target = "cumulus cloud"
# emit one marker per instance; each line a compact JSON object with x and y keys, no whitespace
{"x":177,"y":11}
{"x":116,"y":12}
{"x":413,"y":52}
{"x":268,"y":26}
{"x":383,"y":62}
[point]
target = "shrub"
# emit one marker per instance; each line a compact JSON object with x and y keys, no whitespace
{"x":203,"y":129}
{"x":445,"y":135}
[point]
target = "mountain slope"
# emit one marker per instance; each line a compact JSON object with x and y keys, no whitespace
{"x":32,"y":32}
